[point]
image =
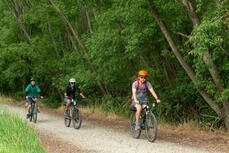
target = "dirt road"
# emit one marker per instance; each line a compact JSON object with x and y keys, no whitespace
{"x":96,"y":137}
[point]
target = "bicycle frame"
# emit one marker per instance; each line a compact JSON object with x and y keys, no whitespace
{"x":147,"y":120}
{"x":33,"y":111}
{"x":73,"y":113}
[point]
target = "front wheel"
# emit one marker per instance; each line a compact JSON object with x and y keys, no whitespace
{"x":151,"y":127}
{"x":135,"y":133}
{"x":67,"y":118}
{"x":34,"y":113}
{"x":77,"y":118}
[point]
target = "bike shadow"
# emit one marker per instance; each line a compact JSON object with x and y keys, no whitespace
{"x":44,"y":121}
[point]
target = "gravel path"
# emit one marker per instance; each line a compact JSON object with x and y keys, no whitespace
{"x":96,"y":138}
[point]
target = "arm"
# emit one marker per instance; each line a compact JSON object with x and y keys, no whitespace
{"x":39,"y":91}
{"x":82,"y":95}
{"x":65,"y":94}
{"x":79,"y":92}
{"x":26,"y":91}
{"x":154,"y":95}
{"x":135,"y":96}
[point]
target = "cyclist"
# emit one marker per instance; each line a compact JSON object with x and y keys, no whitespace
{"x":32,"y":91}
{"x":70,"y":91}
{"x":139,"y":94}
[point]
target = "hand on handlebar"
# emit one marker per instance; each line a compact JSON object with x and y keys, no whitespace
{"x":158,"y":100}
{"x":137,"y":102}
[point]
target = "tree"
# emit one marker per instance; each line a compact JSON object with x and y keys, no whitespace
{"x":223,"y":112}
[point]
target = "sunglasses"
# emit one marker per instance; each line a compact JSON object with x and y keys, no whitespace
{"x":142,"y":77}
{"x":72,"y":82}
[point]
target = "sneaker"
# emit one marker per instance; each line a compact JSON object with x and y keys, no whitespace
{"x":28,"y":115}
{"x":138,"y":126}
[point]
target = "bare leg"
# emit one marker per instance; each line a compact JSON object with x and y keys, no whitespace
{"x":68,"y":103}
{"x":28,"y":108}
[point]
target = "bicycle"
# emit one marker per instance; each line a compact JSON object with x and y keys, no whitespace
{"x":33,"y":111}
{"x":74,"y":114}
{"x":148,"y":122}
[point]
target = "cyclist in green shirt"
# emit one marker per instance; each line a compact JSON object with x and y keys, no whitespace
{"x":32,"y":91}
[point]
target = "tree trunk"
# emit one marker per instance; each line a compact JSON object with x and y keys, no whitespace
{"x":17,"y":12}
{"x":88,"y":19}
{"x":209,"y":62}
{"x":226,"y":114}
{"x":75,"y":33}
{"x":183,"y":63}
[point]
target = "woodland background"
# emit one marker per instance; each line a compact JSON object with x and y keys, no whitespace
{"x":183,"y":44}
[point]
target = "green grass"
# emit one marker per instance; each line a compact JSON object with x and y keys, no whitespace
{"x":16,"y":136}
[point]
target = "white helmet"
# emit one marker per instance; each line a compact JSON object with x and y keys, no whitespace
{"x":72,"y":80}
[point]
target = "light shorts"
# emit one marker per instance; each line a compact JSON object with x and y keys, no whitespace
{"x":66,"y":100}
{"x":141,"y":101}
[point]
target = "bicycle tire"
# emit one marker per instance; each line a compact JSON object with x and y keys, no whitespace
{"x":135,"y":133}
{"x":34,"y":112}
{"x":31,"y":117}
{"x":77,"y":118}
{"x":67,"y":119}
{"x":31,"y":113}
{"x":151,"y":127}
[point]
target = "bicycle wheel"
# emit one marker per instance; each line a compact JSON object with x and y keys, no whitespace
{"x":77,"y":118}
{"x":151,"y":127}
{"x":135,"y":133}
{"x":34,"y":113}
{"x":31,"y":113}
{"x":67,"y":118}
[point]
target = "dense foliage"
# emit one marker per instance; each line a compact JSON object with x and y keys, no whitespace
{"x":103,"y":44}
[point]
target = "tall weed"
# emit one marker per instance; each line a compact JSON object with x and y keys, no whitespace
{"x":16,"y":136}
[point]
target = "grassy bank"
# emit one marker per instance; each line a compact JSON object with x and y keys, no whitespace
{"x":16,"y":136}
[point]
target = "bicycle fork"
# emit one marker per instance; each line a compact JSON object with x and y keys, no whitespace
{"x":71,"y":111}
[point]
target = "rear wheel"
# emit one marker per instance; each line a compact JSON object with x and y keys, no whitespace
{"x":77,"y":118}
{"x":135,"y":133}
{"x":151,"y":127}
{"x":67,"y":119}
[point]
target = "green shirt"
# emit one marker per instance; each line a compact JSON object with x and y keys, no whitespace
{"x":32,"y":91}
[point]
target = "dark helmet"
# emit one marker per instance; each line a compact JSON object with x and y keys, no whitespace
{"x":32,"y":79}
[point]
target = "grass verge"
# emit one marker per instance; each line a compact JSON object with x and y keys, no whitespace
{"x":16,"y":136}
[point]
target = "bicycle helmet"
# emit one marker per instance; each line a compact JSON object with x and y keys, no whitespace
{"x":72,"y":80}
{"x":32,"y":79}
{"x":143,"y":73}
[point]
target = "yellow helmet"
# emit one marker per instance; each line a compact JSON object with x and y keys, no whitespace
{"x":143,"y":73}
